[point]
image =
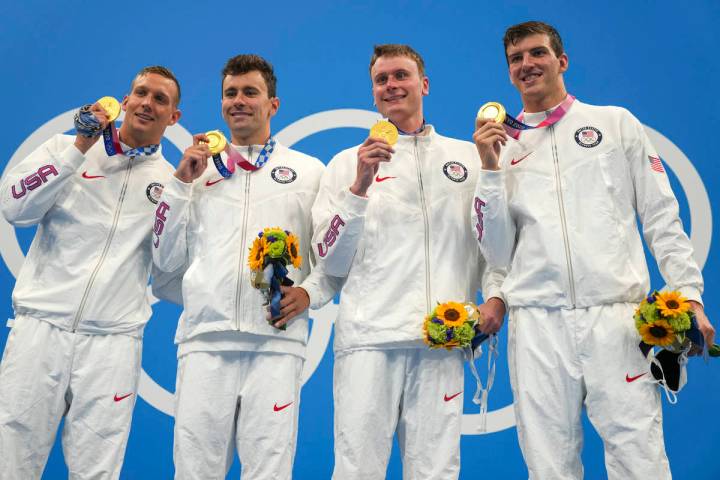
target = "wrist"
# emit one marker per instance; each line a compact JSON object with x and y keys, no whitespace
{"x":83,"y":143}
{"x":358,"y":190}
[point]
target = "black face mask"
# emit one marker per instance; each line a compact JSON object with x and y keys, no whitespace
{"x":671,"y":368}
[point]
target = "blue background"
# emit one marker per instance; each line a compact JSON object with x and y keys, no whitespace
{"x":657,"y":59}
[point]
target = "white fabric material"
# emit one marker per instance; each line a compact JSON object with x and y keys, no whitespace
{"x":406,"y":246}
{"x":88,"y":266}
{"x":242,"y":399}
{"x":562,"y":216}
{"x":232,"y":341}
{"x":207,"y":229}
{"x":563,"y":360}
{"x":47,"y":373}
{"x":416,"y":391}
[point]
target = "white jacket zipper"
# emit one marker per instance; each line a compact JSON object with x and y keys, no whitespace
{"x":241,"y":267}
{"x":113,"y":228}
{"x":426,"y":232}
{"x":563,"y":219}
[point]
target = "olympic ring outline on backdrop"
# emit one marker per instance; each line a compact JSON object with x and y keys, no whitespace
{"x":501,"y":419}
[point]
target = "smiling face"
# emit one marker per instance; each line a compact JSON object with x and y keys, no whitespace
{"x":398,"y":88}
{"x":537,"y":72}
{"x":247,"y":107}
{"x":149,"y":108}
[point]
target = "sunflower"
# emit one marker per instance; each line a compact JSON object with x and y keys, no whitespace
{"x":671,"y":303}
{"x":256,"y":258}
{"x":293,"y":248}
{"x":657,"y":333}
{"x":453,"y":314}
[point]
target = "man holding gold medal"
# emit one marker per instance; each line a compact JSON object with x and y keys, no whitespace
{"x":556,"y":203}
{"x":390,"y":218}
{"x":239,"y":372}
{"x":80,"y":299}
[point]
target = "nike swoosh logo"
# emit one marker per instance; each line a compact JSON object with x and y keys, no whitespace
{"x":515,"y":162}
{"x":447,"y":399}
{"x":378,"y":178}
{"x":630,"y":379}
{"x":210,"y":184}
{"x":90,"y":177}
{"x":277,"y":409}
{"x":117,"y":399}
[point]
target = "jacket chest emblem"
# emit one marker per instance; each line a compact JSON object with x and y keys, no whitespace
{"x":153,"y":192}
{"x":455,"y":171}
{"x":283,"y":174}
{"x":588,"y":137}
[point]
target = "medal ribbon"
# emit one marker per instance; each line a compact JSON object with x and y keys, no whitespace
{"x":515,"y":125}
{"x":113,"y":147}
{"x":236,"y":159}
{"x":414,"y":132}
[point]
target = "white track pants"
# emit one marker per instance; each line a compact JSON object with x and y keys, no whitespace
{"x":416,"y":390}
{"x":244,"y":399}
{"x":562,"y":360}
{"x":46,"y":373}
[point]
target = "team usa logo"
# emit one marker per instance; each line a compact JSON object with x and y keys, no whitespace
{"x":33,"y":181}
{"x":153,"y":192}
{"x":588,"y":137}
{"x":283,"y":174}
{"x":455,"y":171}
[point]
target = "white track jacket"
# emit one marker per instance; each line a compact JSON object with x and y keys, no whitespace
{"x":405,"y":247}
{"x":87,"y":269}
{"x":561,"y":213}
{"x":208,"y":228}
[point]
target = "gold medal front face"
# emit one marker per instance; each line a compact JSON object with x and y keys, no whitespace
{"x":216,"y":141}
{"x":111,"y":107}
{"x":385,"y":130}
{"x":492,"y":111}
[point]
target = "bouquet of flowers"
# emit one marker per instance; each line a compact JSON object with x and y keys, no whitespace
{"x":271,"y":252}
{"x":665,"y":319}
{"x":450,"y":325}
{"x":453,"y":325}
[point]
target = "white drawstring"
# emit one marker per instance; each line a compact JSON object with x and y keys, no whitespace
{"x":481,"y":393}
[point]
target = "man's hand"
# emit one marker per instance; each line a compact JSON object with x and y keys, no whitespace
{"x":489,"y":138}
{"x":295,"y":300}
{"x":83,"y":143}
{"x":371,"y":153}
{"x":704,"y":325}
{"x":492,"y":314}
{"x":194,"y":160}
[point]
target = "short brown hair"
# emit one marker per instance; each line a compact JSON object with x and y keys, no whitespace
{"x":245,"y":63}
{"x":163,"y":72}
{"x":517,"y":32}
{"x":397,"y":50}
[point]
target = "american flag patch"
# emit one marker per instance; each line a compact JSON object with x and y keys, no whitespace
{"x":656,"y":164}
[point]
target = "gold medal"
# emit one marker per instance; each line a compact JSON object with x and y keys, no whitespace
{"x":492,"y":111}
{"x":111,"y":107}
{"x":385,"y":130}
{"x":216,"y":141}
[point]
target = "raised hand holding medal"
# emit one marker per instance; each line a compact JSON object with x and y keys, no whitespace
{"x":375,"y":149}
{"x":91,"y":120}
{"x":490,"y":136}
{"x":492,"y":117}
{"x":194,"y":160}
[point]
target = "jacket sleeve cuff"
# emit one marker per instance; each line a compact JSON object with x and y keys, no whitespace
{"x":178,"y":188}
{"x":72,"y":157}
{"x":691,"y":293}
{"x":355,"y":205}
{"x":491,"y":179}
